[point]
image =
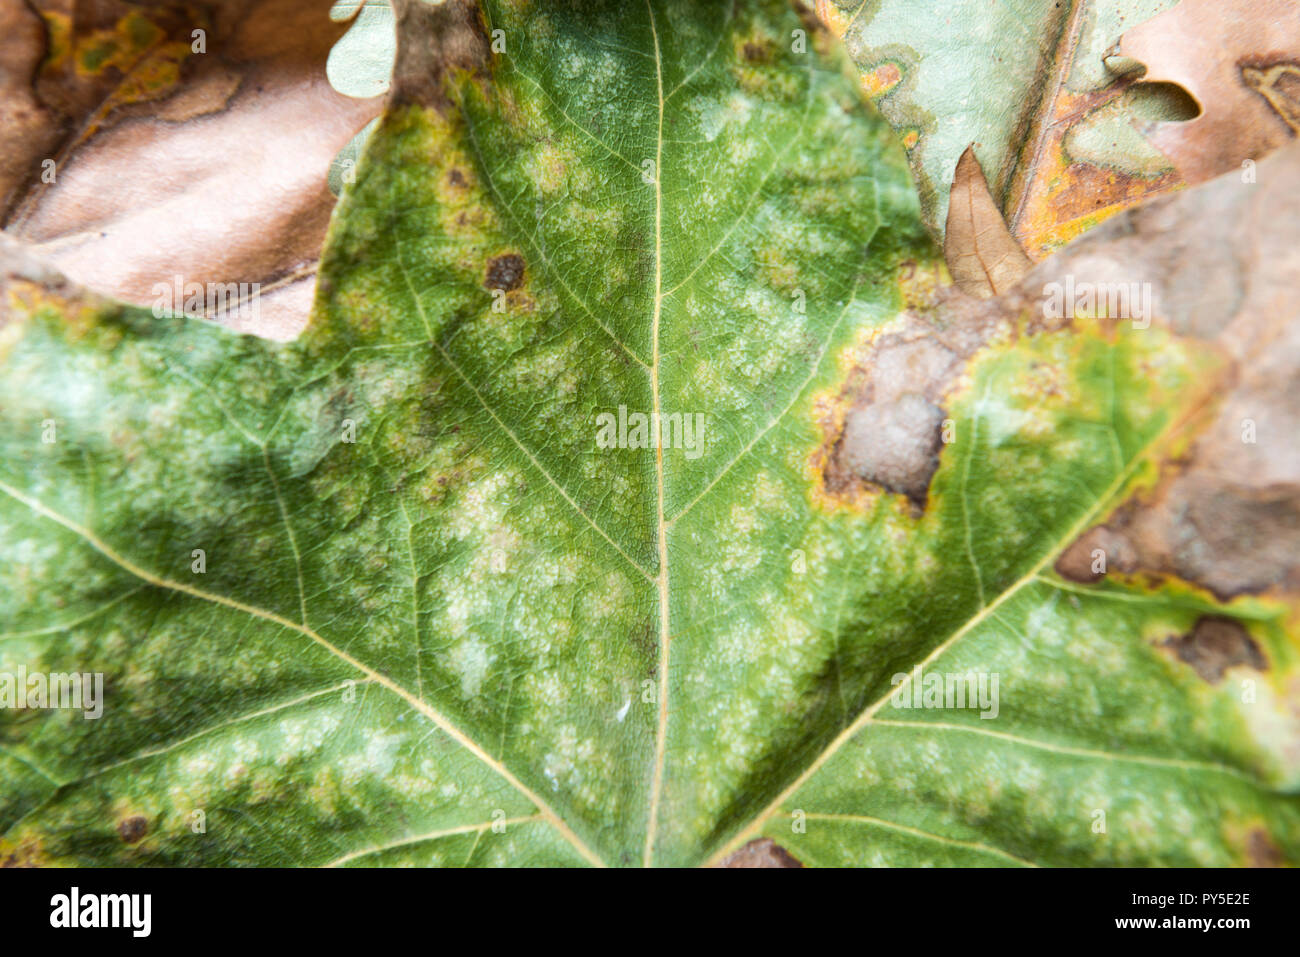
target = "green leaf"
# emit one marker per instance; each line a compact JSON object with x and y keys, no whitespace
{"x":436,"y":622}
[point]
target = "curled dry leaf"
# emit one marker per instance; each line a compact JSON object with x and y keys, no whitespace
{"x":982,"y":255}
{"x":188,"y":145}
{"x":1240,"y":59}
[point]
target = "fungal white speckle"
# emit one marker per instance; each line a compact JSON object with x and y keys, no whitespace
{"x":471,"y":660}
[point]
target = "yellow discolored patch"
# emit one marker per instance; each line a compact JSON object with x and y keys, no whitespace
{"x":548,"y":167}
{"x":882,"y":79}
{"x":154,"y":76}
{"x":121,"y":48}
{"x":756,"y":65}
{"x":77,"y":316}
{"x":1254,"y":845}
{"x":836,"y":20}
{"x":1062,"y":198}
{"x":26,"y":853}
{"x":58,"y":32}
{"x":919,"y":282}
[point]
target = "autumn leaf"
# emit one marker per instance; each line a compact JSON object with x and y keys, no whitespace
{"x":1240,"y":59}
{"x":101,"y":94}
{"x":1078,"y":110}
{"x":416,"y":587}
{"x":982,"y":255}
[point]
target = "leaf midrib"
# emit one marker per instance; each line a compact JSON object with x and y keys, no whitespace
{"x":661,"y":527}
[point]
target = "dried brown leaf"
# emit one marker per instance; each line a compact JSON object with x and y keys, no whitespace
{"x":211,"y":166}
{"x":983,"y":257}
{"x":1240,"y":59}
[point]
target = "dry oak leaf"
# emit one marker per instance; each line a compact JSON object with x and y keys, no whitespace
{"x":1069,"y":140}
{"x":1240,"y":59}
{"x":189,"y":143}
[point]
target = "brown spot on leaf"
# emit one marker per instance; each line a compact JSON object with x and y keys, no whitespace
{"x":1201,"y":526}
{"x":456,"y":177}
{"x":133,"y":829}
{"x":894,"y":444}
{"x":1081,"y":562}
{"x":1224,"y":514}
{"x":763,"y":852}
{"x":883,"y":431}
{"x":24,"y":856}
{"x":819,"y":35}
{"x":434,"y":42}
{"x":1262,"y":851}
{"x":1216,"y":644}
{"x":505,"y":272}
